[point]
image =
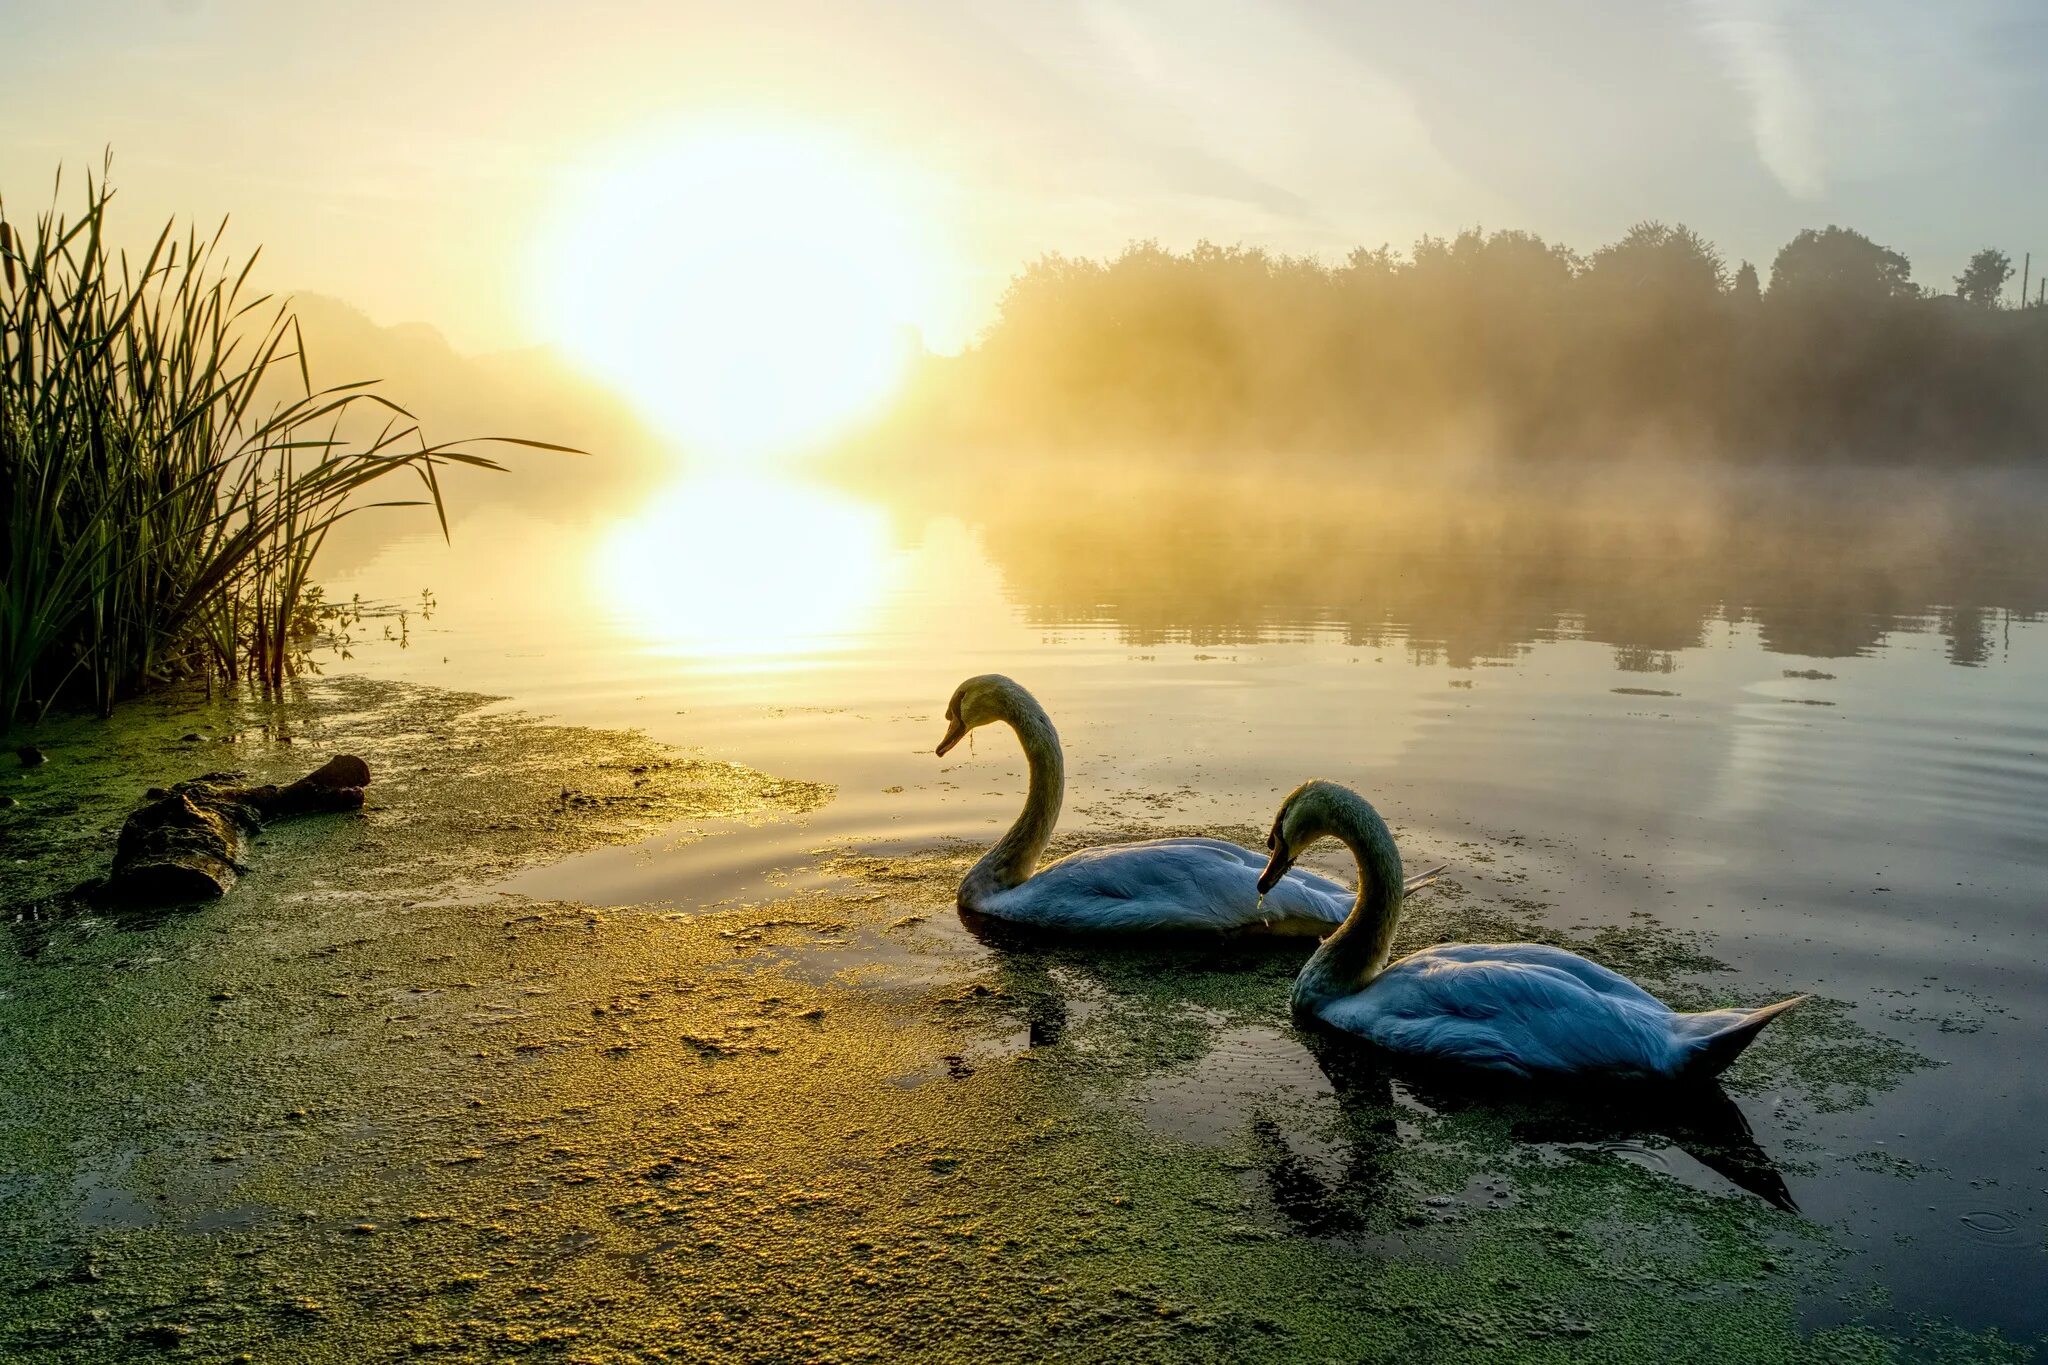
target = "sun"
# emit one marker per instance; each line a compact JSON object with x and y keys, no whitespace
{"x":752,"y":289}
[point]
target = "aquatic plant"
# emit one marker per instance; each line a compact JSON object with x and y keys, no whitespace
{"x":170,"y":469}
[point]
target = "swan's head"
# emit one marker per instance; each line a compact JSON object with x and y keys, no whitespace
{"x":977,"y":702}
{"x":1304,"y":818}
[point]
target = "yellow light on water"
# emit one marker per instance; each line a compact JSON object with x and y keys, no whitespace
{"x":744,"y":566}
{"x":752,"y":289}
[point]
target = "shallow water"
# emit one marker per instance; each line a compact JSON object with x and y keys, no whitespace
{"x":1816,"y":738}
{"x":1805,"y":732}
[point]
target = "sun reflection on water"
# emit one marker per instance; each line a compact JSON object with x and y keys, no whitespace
{"x":738,"y":566}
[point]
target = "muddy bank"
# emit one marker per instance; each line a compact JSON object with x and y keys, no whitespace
{"x":464,"y":792}
{"x":369,"y":1108}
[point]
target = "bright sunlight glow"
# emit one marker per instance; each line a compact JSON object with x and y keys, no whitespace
{"x":752,"y":289}
{"x":733,"y":565}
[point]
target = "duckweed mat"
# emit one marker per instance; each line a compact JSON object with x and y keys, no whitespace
{"x":369,"y":1108}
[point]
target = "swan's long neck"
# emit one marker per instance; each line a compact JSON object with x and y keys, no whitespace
{"x":1015,"y":856}
{"x":1357,"y":952}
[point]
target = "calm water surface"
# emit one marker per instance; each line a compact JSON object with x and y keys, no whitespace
{"x":1818,"y":739}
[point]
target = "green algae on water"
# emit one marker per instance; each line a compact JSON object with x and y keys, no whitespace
{"x":367,"y":1109}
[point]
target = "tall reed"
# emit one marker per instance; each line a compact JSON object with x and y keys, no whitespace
{"x":169,"y":469}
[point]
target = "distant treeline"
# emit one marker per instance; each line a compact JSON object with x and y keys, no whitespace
{"x":1504,"y":344}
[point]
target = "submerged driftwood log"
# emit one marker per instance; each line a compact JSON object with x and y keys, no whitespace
{"x":186,"y":844}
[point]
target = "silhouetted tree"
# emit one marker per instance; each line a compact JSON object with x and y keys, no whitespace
{"x":1983,"y":279}
{"x":1501,"y":341}
{"x":1747,"y":291}
{"x":1841,"y":262}
{"x":1675,"y":261}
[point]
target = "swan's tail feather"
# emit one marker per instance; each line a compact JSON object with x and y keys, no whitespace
{"x":1422,"y":879}
{"x":1713,"y":1053}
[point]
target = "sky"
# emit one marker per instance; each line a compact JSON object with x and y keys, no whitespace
{"x":402,"y":156}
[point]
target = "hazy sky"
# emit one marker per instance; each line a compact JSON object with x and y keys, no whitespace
{"x":399,"y":154}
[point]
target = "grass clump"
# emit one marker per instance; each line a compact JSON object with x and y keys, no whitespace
{"x":170,"y":469}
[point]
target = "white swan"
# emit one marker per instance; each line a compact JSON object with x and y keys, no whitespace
{"x":1523,"y":1009}
{"x":1158,"y":885}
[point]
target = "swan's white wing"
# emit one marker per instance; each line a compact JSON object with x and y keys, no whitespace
{"x":1224,"y":848}
{"x":1169,"y":884}
{"x":1517,"y":1008}
{"x":1595,"y":976}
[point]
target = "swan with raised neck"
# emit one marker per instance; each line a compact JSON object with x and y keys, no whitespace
{"x":982,"y":701}
{"x":1183,"y":884}
{"x":1347,"y":961}
{"x":1522,"y":1009}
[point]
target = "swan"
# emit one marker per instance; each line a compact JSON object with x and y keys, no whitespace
{"x":1160,"y":885}
{"x":1519,"y":1009}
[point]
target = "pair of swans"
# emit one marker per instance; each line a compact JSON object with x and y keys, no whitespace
{"x":1519,"y":1009}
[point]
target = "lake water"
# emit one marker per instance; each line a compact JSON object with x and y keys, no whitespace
{"x":1805,"y":721}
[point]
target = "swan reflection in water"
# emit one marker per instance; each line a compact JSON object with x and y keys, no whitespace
{"x":1374,"y":1089}
{"x":1057,"y":987}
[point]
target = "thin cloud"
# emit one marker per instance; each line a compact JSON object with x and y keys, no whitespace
{"x":1277,"y":117}
{"x":1783,"y":119}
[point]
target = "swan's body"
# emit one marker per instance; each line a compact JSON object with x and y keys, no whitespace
{"x":1160,"y":885}
{"x":1522,"y":1009}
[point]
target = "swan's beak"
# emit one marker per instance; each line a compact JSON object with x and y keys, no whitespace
{"x":955,"y":732}
{"x":1276,"y":868}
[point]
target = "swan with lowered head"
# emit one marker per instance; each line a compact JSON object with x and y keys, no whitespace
{"x":1521,"y":1009}
{"x":1160,"y":885}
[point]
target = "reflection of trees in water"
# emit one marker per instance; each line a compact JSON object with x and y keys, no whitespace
{"x":1639,"y":659}
{"x":1968,"y":631}
{"x":1480,"y":577}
